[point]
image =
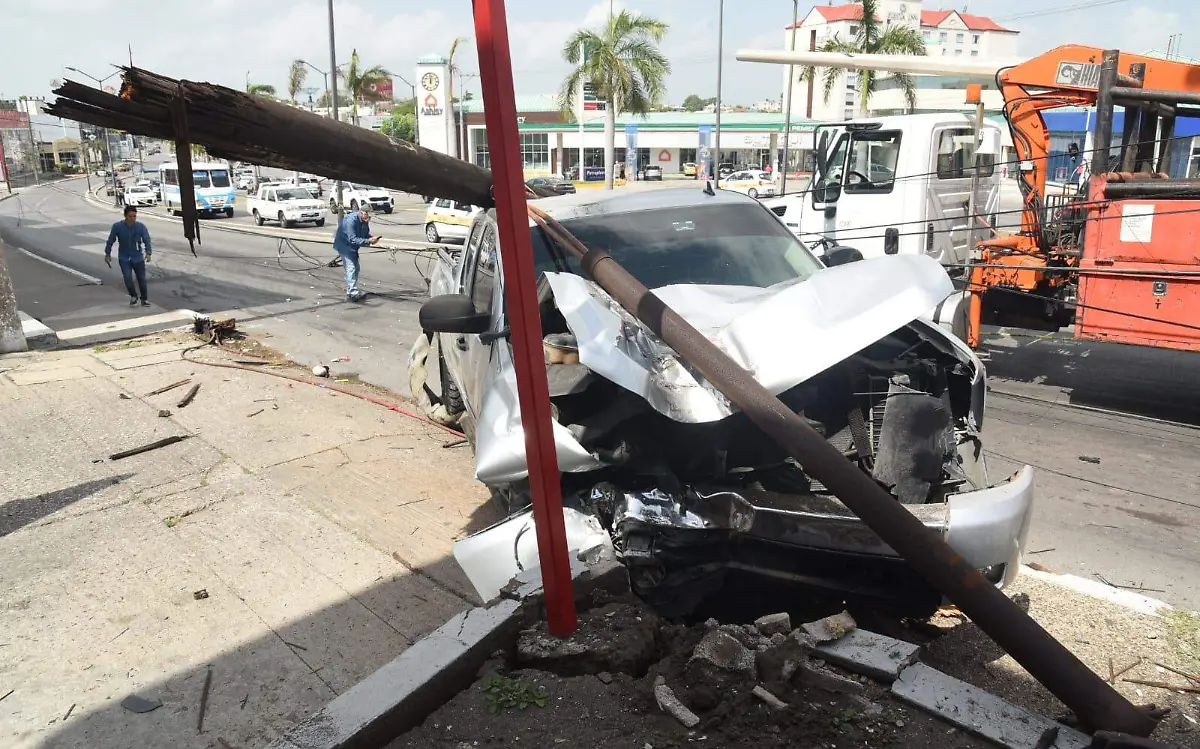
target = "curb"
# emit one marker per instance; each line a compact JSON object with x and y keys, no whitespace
{"x":115,"y":331}
{"x":78,"y":274}
{"x":1093,"y":589}
{"x":404,"y":692}
{"x":37,"y":335}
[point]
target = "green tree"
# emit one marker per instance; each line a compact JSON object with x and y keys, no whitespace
{"x":873,"y":38}
{"x":296,"y":75}
{"x":693,"y":103}
{"x":359,"y":82}
{"x":400,"y":125}
{"x":623,"y":64}
{"x":259,"y":89}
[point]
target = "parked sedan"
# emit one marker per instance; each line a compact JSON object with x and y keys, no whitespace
{"x":689,"y":169}
{"x":140,"y":195}
{"x":652,"y":172}
{"x":551,"y":185}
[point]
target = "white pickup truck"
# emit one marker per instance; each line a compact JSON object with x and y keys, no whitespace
{"x":354,"y":195}
{"x":286,"y":204}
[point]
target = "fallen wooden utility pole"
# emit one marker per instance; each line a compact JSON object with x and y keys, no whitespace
{"x":231,"y":124}
{"x":235,"y":125}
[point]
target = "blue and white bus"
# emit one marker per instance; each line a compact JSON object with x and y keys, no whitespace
{"x":215,"y":191}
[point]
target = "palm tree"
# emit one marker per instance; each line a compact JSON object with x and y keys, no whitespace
{"x":623,"y":64}
{"x":296,"y":74}
{"x":359,"y":82}
{"x":259,"y":89}
{"x":873,"y":38}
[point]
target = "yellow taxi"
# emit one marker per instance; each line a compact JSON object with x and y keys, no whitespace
{"x":752,"y":182}
{"x":689,"y":169}
{"x":448,"y":219}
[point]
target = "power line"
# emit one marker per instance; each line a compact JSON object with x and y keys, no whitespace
{"x":1060,"y":9}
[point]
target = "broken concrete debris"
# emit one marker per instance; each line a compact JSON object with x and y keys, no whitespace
{"x":831,"y":627}
{"x":721,"y":662}
{"x":670,"y":704}
{"x":871,"y":654}
{"x":772,"y":624}
{"x":771,"y":700}
{"x":828,"y":681}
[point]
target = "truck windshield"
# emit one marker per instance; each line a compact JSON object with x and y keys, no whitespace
{"x":200,"y":178}
{"x":220,"y":178}
{"x":722,"y":245}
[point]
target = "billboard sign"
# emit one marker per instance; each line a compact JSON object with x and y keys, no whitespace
{"x":379,"y":91}
{"x":703,"y":155}
{"x":631,"y":152}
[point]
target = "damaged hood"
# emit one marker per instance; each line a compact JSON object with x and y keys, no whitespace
{"x":782,"y":335}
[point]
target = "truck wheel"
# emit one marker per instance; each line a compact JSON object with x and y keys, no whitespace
{"x":320,"y":222}
{"x":229,"y":212}
{"x":451,"y":397}
{"x":431,"y":233}
{"x":353,"y":205}
{"x":284,"y":222}
{"x":258,"y":220}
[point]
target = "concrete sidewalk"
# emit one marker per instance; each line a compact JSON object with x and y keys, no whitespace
{"x":296,"y":541}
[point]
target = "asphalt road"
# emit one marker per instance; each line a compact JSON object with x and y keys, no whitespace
{"x":1129,"y":518}
{"x":280,"y":288}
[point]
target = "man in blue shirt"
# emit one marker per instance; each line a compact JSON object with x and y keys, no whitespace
{"x":131,"y":237}
{"x":353,"y":232}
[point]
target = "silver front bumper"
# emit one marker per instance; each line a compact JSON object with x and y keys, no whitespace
{"x":989,"y":527}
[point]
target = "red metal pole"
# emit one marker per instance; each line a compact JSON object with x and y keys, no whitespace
{"x":520,"y":277}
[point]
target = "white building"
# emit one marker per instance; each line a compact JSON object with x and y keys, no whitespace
{"x":947,"y":33}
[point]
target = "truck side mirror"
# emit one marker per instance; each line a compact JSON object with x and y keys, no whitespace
{"x":453,"y":313}
{"x":827,"y":192}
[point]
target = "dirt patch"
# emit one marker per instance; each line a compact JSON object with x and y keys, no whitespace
{"x":618,"y":710}
{"x":1098,"y":633}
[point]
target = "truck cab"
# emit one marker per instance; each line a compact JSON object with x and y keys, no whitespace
{"x":896,"y":185}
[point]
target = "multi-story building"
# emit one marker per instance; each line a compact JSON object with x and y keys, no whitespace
{"x":946,"y":33}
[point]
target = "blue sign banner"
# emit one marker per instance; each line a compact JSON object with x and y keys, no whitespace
{"x":631,"y":152}
{"x":703,"y":155}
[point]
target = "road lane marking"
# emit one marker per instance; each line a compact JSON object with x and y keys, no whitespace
{"x":79,"y":274}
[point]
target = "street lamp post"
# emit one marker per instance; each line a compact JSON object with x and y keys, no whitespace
{"x":333,"y":99}
{"x":787,"y":117}
{"x":416,"y":133}
{"x":107,"y":140}
{"x":720,"y":52}
{"x":323,"y":75}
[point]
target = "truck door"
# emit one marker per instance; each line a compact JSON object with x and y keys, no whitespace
{"x":947,"y":229}
{"x":870,"y":208}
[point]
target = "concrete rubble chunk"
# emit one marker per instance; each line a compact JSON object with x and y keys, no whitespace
{"x":670,"y":704}
{"x":721,"y":663}
{"x":810,"y":675}
{"x":771,"y":700}
{"x":979,"y":712}
{"x":830,"y":628}
{"x":871,"y":654}
{"x":748,"y":635}
{"x":779,"y":662}
{"x":772,"y":624}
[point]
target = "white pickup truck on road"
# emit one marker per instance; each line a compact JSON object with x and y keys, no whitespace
{"x":354,"y":195}
{"x":286,"y":204}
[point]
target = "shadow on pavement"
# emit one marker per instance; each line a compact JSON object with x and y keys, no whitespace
{"x":19,"y":513}
{"x":1160,"y":383}
{"x":266,"y":684}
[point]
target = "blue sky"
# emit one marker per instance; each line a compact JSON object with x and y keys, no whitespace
{"x":262,"y":36}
